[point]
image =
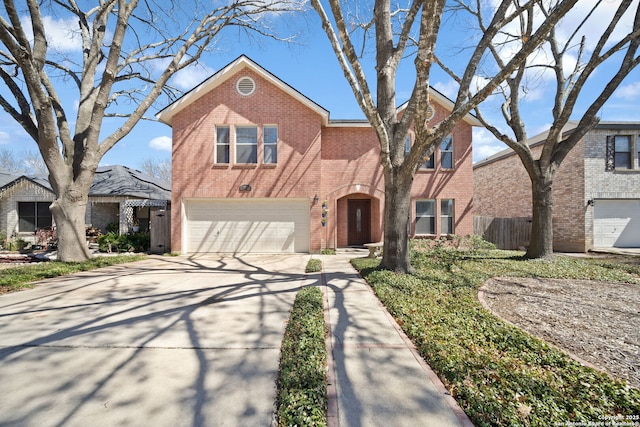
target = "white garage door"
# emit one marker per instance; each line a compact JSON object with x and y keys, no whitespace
{"x":616,"y":223}
{"x":248,"y":225}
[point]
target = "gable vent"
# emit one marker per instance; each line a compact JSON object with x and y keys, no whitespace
{"x":246,"y":86}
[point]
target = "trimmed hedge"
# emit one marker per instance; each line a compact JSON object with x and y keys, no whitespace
{"x":314,"y":265}
{"x":302,"y":388}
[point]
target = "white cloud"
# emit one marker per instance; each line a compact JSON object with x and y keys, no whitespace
{"x":63,"y":35}
{"x":629,"y":92}
{"x":191,"y":76}
{"x":485,"y":144}
{"x":449,"y":89}
{"x":4,"y":138}
{"x":161,"y":143}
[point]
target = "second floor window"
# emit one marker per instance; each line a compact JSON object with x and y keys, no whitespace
{"x":246,"y":144}
{"x":622,"y":147}
{"x":222,"y":144}
{"x":428,"y":161}
{"x":270,"y":139}
{"x":446,"y":153}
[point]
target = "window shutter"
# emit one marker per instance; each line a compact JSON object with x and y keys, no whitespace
{"x":610,"y":156}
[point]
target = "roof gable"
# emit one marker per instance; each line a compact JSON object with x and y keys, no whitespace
{"x":166,"y":115}
{"x":440,"y":99}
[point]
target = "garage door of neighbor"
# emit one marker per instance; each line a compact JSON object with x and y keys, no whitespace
{"x":616,"y":223}
{"x":246,"y":226}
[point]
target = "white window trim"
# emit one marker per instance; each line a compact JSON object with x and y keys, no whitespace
{"x":452,"y":151}
{"x":434,"y":216}
{"x":264,"y":144}
{"x":257,"y":144}
{"x":216,"y":144}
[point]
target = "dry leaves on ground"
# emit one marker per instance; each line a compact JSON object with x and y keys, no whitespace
{"x":593,"y":321}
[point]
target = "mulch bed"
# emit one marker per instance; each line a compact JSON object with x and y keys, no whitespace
{"x":594,"y":322}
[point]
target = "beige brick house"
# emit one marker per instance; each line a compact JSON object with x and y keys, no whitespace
{"x":596,"y":191}
{"x":259,"y":167}
{"x":118,"y":195}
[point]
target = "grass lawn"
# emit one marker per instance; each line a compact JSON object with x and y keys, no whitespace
{"x":500,"y":375}
{"x":17,"y":278}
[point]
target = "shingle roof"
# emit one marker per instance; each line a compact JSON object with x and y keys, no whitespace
{"x":108,"y":181}
{"x":123,"y":181}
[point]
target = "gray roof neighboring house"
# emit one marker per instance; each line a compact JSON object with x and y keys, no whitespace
{"x":108,"y":181}
{"x":124,"y":181}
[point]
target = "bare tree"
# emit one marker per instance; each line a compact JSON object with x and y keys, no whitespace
{"x":621,"y":51}
{"x":128,"y":52}
{"x":157,"y":169}
{"x":25,"y":162}
{"x":418,"y":25}
{"x":8,"y":162}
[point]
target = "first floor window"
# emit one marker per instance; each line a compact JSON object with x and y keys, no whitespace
{"x":622,"y":147}
{"x":270,"y":140}
{"x":222,"y":144}
{"x":446,"y":216}
{"x":425,"y":217}
{"x":246,"y":144}
{"x":33,"y":215}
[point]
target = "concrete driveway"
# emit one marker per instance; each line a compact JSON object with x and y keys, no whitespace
{"x":170,"y":341}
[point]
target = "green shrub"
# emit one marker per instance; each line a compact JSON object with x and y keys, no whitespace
{"x":313,"y":266}
{"x":134,"y":242}
{"x":328,"y":251}
{"x":499,"y":374}
{"x":113,"y":227}
{"x":302,"y":388}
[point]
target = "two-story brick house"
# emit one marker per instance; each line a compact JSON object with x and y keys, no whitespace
{"x":259,"y":167}
{"x":596,"y":191}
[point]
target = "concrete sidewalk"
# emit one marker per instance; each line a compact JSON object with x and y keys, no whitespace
{"x":376,"y":377}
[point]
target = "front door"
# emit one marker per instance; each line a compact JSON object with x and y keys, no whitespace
{"x":359,"y":222}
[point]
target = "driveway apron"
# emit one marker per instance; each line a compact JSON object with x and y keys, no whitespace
{"x":169,"y":341}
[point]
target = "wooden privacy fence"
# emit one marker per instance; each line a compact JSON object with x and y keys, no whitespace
{"x":505,"y":233}
{"x":160,"y":228}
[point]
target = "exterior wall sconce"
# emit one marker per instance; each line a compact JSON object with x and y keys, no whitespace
{"x":591,"y":202}
{"x":245,"y":187}
{"x":315,"y":199}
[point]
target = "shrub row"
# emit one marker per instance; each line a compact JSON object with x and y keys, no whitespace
{"x":302,"y":389}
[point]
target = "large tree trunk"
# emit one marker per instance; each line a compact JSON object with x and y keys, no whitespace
{"x":541,"y":243}
{"x":68,"y":212}
{"x":397,"y":210}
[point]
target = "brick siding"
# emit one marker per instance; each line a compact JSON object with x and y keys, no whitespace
{"x":334,"y":163}
{"x":502,"y":188}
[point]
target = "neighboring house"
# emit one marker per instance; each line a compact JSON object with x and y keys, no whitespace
{"x":596,"y":191}
{"x":118,"y":195}
{"x":259,"y":167}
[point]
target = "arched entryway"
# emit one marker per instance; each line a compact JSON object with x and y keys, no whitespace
{"x":359,"y":220}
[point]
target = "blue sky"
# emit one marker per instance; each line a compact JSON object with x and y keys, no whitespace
{"x":310,"y":67}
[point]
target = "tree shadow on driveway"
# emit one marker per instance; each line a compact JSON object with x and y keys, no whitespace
{"x":166,"y":341}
